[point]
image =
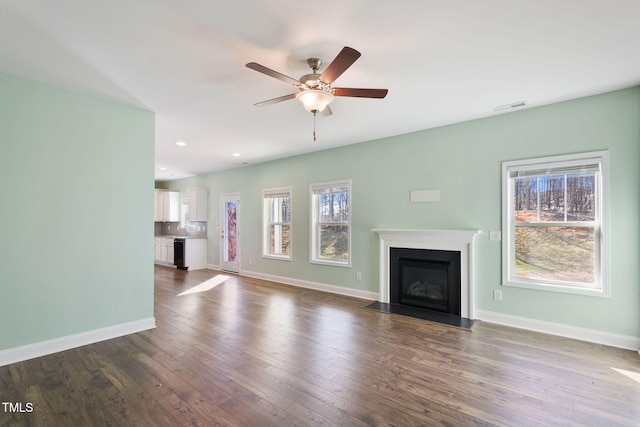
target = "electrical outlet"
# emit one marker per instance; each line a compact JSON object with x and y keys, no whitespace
{"x":358,"y":276}
{"x":495,"y":235}
{"x":497,"y":295}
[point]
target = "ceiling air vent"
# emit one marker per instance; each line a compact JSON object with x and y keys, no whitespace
{"x":511,"y":106}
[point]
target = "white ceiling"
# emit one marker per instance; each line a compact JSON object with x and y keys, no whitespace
{"x":442,"y":61}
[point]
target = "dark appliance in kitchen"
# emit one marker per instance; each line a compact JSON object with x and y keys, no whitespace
{"x":178,"y":253}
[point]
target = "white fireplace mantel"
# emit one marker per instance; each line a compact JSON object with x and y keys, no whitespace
{"x":444,"y":240}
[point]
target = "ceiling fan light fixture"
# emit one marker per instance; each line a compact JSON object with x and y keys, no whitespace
{"x":315,"y":90}
{"x":314,"y":100}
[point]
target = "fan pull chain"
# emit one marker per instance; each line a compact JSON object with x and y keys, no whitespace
{"x":314,"y":125}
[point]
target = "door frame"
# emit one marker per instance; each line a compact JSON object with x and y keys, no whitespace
{"x":233,"y":267}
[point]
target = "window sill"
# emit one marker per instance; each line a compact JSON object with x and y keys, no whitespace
{"x":565,"y":289}
{"x":279,"y":258}
{"x":330,"y":262}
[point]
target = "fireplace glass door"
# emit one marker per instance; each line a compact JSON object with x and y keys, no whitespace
{"x":424,"y":284}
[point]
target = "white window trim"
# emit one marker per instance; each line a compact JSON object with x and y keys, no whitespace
{"x":314,"y":244}
{"x":508,"y":229}
{"x":265,"y":222}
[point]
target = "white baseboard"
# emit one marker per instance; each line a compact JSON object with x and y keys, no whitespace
{"x":356,"y":293}
{"x":43,"y":348}
{"x":591,"y":335}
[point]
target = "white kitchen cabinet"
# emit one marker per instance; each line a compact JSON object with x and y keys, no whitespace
{"x":167,"y":206}
{"x":197,"y":204}
{"x":171,"y":205}
{"x":158,"y":242}
{"x":158,"y":206}
{"x":195,"y":254}
{"x":168,"y":244}
{"x":163,"y":250}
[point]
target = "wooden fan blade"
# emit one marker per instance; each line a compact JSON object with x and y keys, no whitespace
{"x":360,"y":93}
{"x":275,"y":100}
{"x":327,"y":111}
{"x":344,"y":60}
{"x":271,"y":73}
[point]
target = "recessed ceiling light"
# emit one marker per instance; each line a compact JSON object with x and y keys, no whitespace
{"x":236,"y":154}
{"x":163,"y":169}
{"x":181,"y":143}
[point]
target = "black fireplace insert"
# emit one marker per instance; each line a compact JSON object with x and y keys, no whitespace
{"x":425,"y":278}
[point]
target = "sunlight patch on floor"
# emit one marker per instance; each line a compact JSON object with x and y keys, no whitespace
{"x":206,"y":286}
{"x":633,"y":375}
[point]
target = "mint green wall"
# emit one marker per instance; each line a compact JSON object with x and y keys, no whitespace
{"x":464,"y":162}
{"x":77,"y":209}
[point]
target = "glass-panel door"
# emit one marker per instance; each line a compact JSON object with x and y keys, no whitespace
{"x":230,"y":233}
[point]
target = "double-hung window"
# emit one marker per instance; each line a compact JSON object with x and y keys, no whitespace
{"x":276,"y":208}
{"x":331,"y":223}
{"x":554,"y":223}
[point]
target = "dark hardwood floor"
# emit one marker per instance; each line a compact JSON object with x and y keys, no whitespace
{"x":256,"y":353}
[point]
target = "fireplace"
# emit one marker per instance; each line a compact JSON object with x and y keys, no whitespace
{"x":425,"y":278}
{"x":448,"y":253}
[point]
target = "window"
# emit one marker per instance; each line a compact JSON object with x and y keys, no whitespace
{"x":331,"y":223}
{"x":554,"y":223}
{"x":276,"y":241}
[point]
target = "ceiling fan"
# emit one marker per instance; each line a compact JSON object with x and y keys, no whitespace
{"x":315,"y":90}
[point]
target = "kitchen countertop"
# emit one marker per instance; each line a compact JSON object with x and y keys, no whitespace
{"x":173,"y":236}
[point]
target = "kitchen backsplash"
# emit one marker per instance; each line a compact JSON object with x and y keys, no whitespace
{"x":193,"y":228}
